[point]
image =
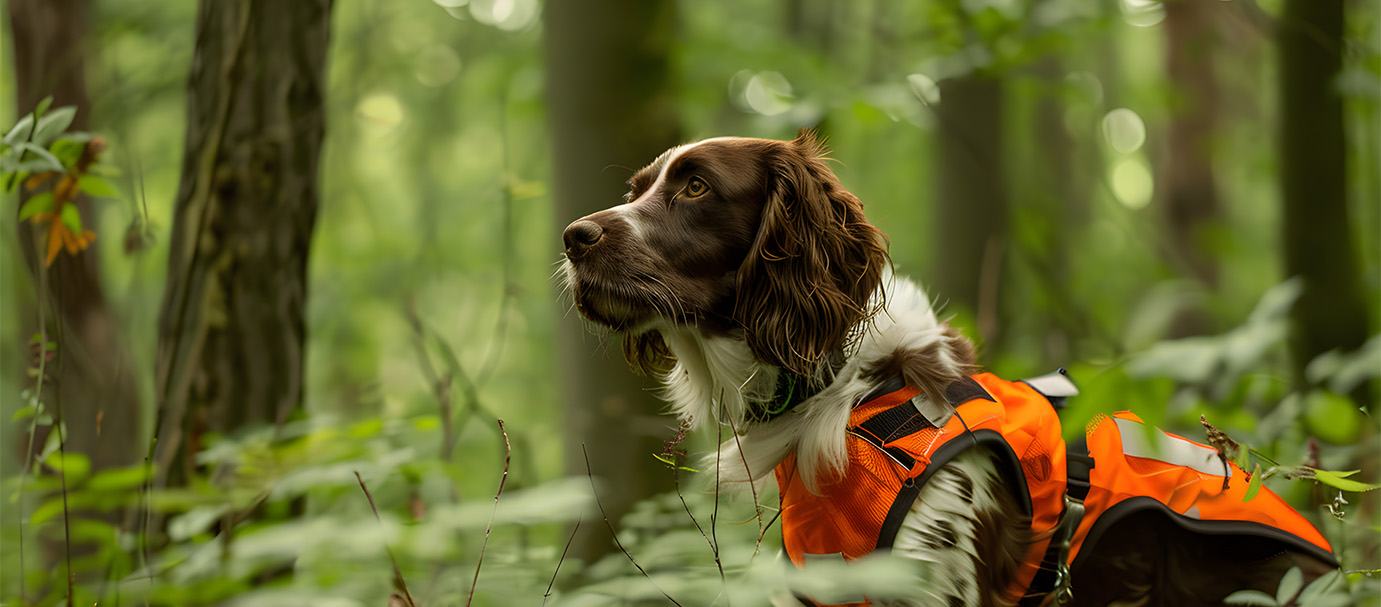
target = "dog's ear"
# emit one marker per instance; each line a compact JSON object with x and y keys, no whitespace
{"x":811,"y":274}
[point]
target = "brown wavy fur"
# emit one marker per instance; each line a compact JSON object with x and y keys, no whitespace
{"x":814,"y":265}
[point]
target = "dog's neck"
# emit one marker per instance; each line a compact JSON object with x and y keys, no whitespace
{"x":716,"y":379}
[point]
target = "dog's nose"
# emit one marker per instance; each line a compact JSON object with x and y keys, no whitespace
{"x":580,"y":236}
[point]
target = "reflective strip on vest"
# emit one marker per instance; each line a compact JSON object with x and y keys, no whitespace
{"x":1150,"y":443}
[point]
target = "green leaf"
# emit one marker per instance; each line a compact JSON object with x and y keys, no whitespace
{"x":46,"y":511}
{"x":24,"y":412}
{"x":72,"y":218}
{"x":39,"y":203}
{"x":47,"y":161}
{"x":97,"y":186}
{"x":73,"y":465}
{"x":119,"y":478}
{"x":43,"y":105}
{"x":68,"y":149}
{"x":1332,"y":417}
{"x":20,"y":132}
{"x":1244,"y":458}
{"x":1339,"y":480}
{"x":53,"y":124}
{"x":1290,"y":584}
{"x":1254,"y":485}
{"x":1326,"y":584}
{"x":1250,"y":597}
{"x":671,"y":463}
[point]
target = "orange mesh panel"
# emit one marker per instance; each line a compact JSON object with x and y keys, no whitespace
{"x":1035,"y":462}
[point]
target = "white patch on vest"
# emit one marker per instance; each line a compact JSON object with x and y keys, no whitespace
{"x":951,"y":551}
{"x":1053,"y":385}
{"x":1162,"y":447}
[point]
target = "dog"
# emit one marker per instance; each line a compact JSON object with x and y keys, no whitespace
{"x":737,"y":266}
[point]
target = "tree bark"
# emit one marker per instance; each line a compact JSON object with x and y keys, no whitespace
{"x":231,"y":328}
{"x":972,"y":204}
{"x":609,"y":91}
{"x":1189,"y":190}
{"x":93,"y":375}
{"x":1316,"y":231}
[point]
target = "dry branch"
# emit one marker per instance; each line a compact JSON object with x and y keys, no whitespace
{"x":489,"y":526}
{"x":614,"y":533}
{"x":400,"y":585}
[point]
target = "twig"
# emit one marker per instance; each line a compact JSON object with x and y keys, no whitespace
{"x":59,"y":423}
{"x":441,"y":386}
{"x":38,"y":410}
{"x":763,"y":534}
{"x":614,"y":533}
{"x":495,"y":348}
{"x":564,"y":551}
{"x":399,"y":584}
{"x":489,"y":526}
{"x":714,"y":516}
{"x":674,"y":455}
{"x":752,"y":486}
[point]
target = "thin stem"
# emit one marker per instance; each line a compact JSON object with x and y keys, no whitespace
{"x":714,"y":516}
{"x":752,"y":486}
{"x":564,"y":551}
{"x":489,"y":526}
{"x":614,"y":533}
{"x":399,"y":584}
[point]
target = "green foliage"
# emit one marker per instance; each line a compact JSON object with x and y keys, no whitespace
{"x":437,"y":198}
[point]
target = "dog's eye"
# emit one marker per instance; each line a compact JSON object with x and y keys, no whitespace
{"x":696,"y":188}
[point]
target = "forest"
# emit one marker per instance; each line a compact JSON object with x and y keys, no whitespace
{"x":281,"y":323}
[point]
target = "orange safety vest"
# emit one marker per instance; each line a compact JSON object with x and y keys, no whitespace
{"x":896,"y":443}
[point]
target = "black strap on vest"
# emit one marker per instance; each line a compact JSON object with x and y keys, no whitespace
{"x":1053,"y":575}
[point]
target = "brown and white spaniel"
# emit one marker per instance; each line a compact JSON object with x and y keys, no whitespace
{"x":735,"y":263}
{"x":735,"y":260}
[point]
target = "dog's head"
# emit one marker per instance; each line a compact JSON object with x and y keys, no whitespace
{"x":739,"y":236}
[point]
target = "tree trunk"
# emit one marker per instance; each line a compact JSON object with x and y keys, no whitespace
{"x":1317,"y":233}
{"x":1189,"y":190}
{"x":612,"y":110}
{"x":972,"y":203}
{"x":231,"y":328}
{"x":93,"y":376}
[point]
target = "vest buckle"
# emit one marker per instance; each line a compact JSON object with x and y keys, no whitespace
{"x":1074,"y":513}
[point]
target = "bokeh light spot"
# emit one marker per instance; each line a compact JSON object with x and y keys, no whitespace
{"x":437,"y":65}
{"x":1142,"y":13}
{"x":924,"y":88}
{"x":380,"y":109}
{"x":1132,"y":182}
{"x":1124,"y":130}
{"x":767,"y":93}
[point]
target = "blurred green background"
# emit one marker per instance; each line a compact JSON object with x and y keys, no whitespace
{"x":1098,"y":185}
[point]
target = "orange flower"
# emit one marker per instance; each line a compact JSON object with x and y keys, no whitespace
{"x":62,"y":236}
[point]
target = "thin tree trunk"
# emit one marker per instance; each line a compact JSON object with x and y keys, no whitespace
{"x":93,"y":376}
{"x":231,"y":328}
{"x":1189,"y":190}
{"x":1316,"y":231}
{"x":612,"y":110}
{"x":972,"y":203}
